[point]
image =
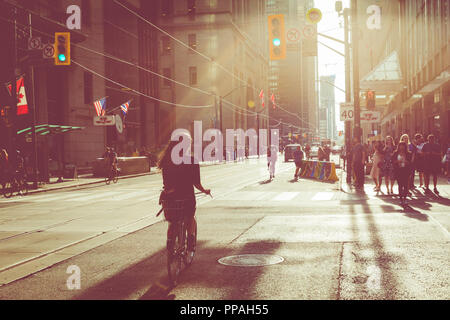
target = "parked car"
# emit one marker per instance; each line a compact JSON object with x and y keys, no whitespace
{"x":289,"y":151}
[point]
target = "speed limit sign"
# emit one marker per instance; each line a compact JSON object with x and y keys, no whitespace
{"x":346,"y":112}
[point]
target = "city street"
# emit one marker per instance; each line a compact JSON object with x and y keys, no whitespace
{"x":334,"y":243}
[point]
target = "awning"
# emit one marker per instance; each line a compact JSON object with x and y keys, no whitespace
{"x":385,"y":77}
{"x":48,"y":129}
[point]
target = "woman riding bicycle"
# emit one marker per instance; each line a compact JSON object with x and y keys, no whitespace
{"x":179,"y":182}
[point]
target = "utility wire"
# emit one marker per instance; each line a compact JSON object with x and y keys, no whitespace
{"x":137,"y":92}
{"x":199,"y":53}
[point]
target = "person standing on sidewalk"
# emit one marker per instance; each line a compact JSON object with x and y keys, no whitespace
{"x":432,"y":156}
{"x":413,"y":149}
{"x":419,"y":159}
{"x":298,"y":159}
{"x":377,"y":163}
{"x":388,"y":166}
{"x":402,"y":160}
{"x":358,"y":160}
{"x":272,"y":158}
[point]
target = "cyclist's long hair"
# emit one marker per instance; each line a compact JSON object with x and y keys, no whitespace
{"x":165,"y":155}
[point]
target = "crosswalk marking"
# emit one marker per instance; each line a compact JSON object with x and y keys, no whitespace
{"x":321,"y":196}
{"x":286,"y":196}
{"x":150,"y":195}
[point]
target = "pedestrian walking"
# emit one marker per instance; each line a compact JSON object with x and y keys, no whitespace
{"x":358,"y":161}
{"x":298,"y":159}
{"x":402,"y":160}
{"x":308,"y":151}
{"x":432,"y":156}
{"x":419,"y":159}
{"x":272,"y":157}
{"x":388,"y":166}
{"x":412,"y":147}
{"x":377,"y":164}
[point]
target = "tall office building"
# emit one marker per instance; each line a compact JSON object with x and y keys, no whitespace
{"x":293,"y":80}
{"x":327,"y":109}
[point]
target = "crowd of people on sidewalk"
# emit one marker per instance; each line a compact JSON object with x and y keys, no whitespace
{"x":399,"y":161}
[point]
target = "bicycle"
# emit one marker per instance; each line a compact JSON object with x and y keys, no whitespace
{"x":178,"y":251}
{"x":15,"y":184}
{"x":113,"y":175}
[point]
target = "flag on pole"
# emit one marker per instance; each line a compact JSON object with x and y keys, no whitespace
{"x":272,"y":98}
{"x":100,"y":106}
{"x":22,"y":104}
{"x":261,"y":95}
{"x":125,"y":107}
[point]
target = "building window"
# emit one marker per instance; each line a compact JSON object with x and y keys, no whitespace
{"x":192,"y":75}
{"x":165,"y":43}
{"x":191,"y":9}
{"x":166,"y":7}
{"x":167,"y":74}
{"x":192,"y":41}
{"x":88,"y":88}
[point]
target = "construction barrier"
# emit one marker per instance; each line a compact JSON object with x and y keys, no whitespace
{"x":320,"y":170}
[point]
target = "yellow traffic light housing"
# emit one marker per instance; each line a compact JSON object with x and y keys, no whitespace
{"x":277,"y":41}
{"x":62,"y":48}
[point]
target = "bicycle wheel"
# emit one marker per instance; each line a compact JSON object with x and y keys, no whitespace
{"x":174,"y":258}
{"x":7,"y":189}
{"x":189,"y":248}
{"x":21,"y":187}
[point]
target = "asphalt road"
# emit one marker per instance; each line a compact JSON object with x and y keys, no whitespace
{"x":334,"y":244}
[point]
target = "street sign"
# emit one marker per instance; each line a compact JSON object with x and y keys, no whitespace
{"x":48,"y":51}
{"x":346,"y":111}
{"x":293,"y":35}
{"x":314,"y":15}
{"x":34,"y":43}
{"x":309,"y":31}
{"x":108,"y":120}
{"x":119,"y":124}
{"x":370,"y":116}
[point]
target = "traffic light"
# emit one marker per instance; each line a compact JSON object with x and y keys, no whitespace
{"x":277,"y":42}
{"x":62,"y":48}
{"x":370,"y":100}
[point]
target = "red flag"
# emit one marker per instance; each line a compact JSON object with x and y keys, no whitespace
{"x":261,"y":95}
{"x":22,"y":104}
{"x":273,"y":100}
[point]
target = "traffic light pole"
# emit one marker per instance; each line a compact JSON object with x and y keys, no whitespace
{"x":355,"y":50}
{"x":33,"y":110}
{"x":348,"y":94}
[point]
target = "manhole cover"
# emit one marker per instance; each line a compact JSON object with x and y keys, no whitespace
{"x":251,"y":260}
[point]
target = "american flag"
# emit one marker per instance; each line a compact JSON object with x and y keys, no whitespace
{"x":124,"y":107}
{"x":100,"y":106}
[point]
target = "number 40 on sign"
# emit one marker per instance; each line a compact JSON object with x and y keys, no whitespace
{"x":346,"y":111}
